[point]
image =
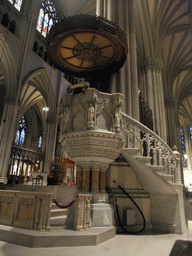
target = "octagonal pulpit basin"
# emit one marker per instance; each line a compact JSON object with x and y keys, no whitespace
{"x":85,"y":45}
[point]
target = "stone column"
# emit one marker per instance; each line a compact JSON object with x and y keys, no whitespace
{"x":110,"y":9}
{"x":133,"y":60}
{"x":99,"y":7}
{"x":171,"y":122}
{"x":6,"y":137}
{"x":79,"y":177}
{"x":152,"y":75}
{"x":86,"y":178}
{"x":95,"y":179}
{"x":101,"y":210}
{"x":187,"y":148}
{"x":102,"y":181}
{"x":50,"y":143}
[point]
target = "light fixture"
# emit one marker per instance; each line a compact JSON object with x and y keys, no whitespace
{"x":46,"y":109}
{"x":185,"y":156}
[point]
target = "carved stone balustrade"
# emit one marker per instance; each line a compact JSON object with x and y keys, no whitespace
{"x":28,"y":210}
{"x":149,"y":144}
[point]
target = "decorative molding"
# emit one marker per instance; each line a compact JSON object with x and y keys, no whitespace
{"x":169,"y":102}
{"x":151,"y":63}
{"x":96,"y":152}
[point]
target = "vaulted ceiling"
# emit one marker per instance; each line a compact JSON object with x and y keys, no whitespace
{"x":168,"y":36}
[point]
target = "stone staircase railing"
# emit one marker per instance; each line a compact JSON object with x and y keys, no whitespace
{"x":146,"y":143}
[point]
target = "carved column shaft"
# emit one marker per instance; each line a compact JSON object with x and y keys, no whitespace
{"x":86,"y":179}
{"x":102,"y":181}
{"x":95,"y":180}
{"x":79,"y":177}
{"x":50,"y":143}
{"x":6,"y":137}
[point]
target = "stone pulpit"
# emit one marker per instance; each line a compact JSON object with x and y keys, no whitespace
{"x":90,"y":135}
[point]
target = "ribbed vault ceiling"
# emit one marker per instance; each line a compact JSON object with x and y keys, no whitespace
{"x":168,"y":36}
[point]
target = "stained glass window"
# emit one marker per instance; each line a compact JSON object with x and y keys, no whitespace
{"x":47,"y":17}
{"x":16,"y":3}
{"x":20,"y":136}
{"x":40,"y":140}
{"x":190,"y":134}
{"x":182,"y":141}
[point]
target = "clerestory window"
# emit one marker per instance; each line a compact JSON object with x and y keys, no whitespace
{"x":47,"y":17}
{"x":16,"y":3}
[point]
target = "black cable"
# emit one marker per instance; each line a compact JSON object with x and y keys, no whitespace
{"x":117,"y":211}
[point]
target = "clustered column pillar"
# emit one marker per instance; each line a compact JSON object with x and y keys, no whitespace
{"x":151,"y":69}
{"x":171,"y":122}
{"x":6,"y":137}
{"x":50,"y":143}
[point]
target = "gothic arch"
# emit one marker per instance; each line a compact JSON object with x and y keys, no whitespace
{"x":37,"y":91}
{"x":8,"y":67}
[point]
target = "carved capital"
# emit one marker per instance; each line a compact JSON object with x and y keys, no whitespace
{"x":169,"y":102}
{"x":10,"y":101}
{"x":152,"y":63}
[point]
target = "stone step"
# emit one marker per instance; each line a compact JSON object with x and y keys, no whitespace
{"x":158,"y":169}
{"x":168,"y":178}
{"x":144,"y":159}
{"x":56,"y":237}
{"x":58,"y":212}
{"x":58,"y":221}
{"x":132,"y":151}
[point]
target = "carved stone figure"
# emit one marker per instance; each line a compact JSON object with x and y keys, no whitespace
{"x":67,"y":116}
{"x":64,"y":119}
{"x":90,"y":114}
{"x":117,"y":116}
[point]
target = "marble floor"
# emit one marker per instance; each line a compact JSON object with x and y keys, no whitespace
{"x":147,"y":244}
{"x":144,"y":244}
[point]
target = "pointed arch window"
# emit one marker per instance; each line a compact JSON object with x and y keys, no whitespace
{"x":20,"y":136}
{"x":190,"y":134}
{"x":182,"y":140}
{"x":16,"y":3}
{"x":40,"y":140}
{"x":47,"y":17}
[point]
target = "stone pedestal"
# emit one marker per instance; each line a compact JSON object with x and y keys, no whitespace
{"x":101,"y":211}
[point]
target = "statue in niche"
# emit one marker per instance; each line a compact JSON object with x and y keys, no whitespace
{"x":90,"y":116}
{"x":67,"y":116}
{"x":64,"y":119}
{"x":90,"y":113}
{"x":117,"y":115}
